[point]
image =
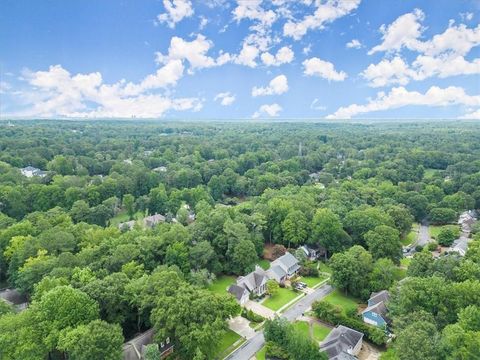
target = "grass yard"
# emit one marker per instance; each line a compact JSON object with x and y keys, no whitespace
{"x":411,"y":236}
{"x":123,"y":217}
{"x":405,"y":262}
{"x":261,"y":354}
{"x":434,"y":230}
{"x":226,"y":342}
{"x":338,"y":298}
{"x":429,"y":173}
{"x":320,"y":332}
{"x":264,"y":264}
{"x":282,"y":297}
{"x":312,"y":281}
{"x":322,"y":267}
{"x":221,"y":284}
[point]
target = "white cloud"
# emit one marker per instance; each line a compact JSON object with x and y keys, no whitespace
{"x":284,"y":55}
{"x":251,"y":9}
{"x":387,"y":72}
{"x":247,"y":56}
{"x":466,"y":16}
{"x":195,"y":52}
{"x":203,"y":22}
{"x":307,"y":49}
{"x":271,"y":110}
{"x":315,"y":106}
{"x":56,"y":92}
{"x":277,"y":86}
{"x":457,"y":40}
{"x":475,"y":115}
{"x":354,"y":44}
{"x":403,"y":32}
{"x":323,"y":69}
{"x":226,"y":98}
{"x":324,"y":13}
{"x":400,"y":97}
{"x":177,"y":10}
{"x":4,"y":87}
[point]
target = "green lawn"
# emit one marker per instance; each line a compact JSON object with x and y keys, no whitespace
{"x":312,"y":281}
{"x":338,"y":298}
{"x":429,"y":173}
{"x":261,"y":354}
{"x":320,"y":332}
{"x":221,"y":284}
{"x":434,"y":230}
{"x":411,"y":236}
{"x":264,"y":264}
{"x":405,"y":262}
{"x":226,"y":342}
{"x":123,"y":217}
{"x":322,"y":267}
{"x":282,"y":297}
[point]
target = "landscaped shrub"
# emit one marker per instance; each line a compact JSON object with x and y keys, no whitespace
{"x":273,"y":351}
{"x":251,"y":316}
{"x":309,"y":269}
{"x":447,"y":235}
{"x":333,"y":314}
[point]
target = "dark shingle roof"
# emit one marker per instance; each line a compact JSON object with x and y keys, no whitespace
{"x":236,"y":291}
{"x":339,"y":341}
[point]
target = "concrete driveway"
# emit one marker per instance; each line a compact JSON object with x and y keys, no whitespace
{"x":241,"y":326}
{"x":259,"y":309}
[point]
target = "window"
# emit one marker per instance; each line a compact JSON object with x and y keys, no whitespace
{"x":168,"y":340}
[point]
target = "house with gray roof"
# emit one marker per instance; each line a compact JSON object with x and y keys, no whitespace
{"x":128,"y":225}
{"x":288,"y":263}
{"x":255,"y":282}
{"x":153,"y":220}
{"x":342,"y":343}
{"x":240,"y":293}
{"x":135,"y":348}
{"x":376,"y":311}
{"x":14,"y":298}
{"x":31,"y":171}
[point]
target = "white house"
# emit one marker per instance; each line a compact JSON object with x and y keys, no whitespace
{"x":31,"y":171}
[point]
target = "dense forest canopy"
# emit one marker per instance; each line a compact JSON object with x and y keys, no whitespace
{"x":226,"y":190}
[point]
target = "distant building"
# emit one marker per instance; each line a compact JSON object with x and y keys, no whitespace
{"x":128,"y":161}
{"x":313,"y":252}
{"x":376,"y":311}
{"x":160,"y":169}
{"x":135,"y":348}
{"x":128,"y":225}
{"x":153,"y":220}
{"x":466,"y":220}
{"x":342,"y":343}
{"x":14,"y":298}
{"x":31,"y":171}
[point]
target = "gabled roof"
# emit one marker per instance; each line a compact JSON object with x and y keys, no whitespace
{"x":286,"y":261}
{"x":253,"y":280}
{"x":340,"y":341}
{"x":377,"y":297}
{"x":276,"y":271}
{"x":237,"y":291}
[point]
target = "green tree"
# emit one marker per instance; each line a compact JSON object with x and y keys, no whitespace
{"x":95,"y":340}
{"x":383,"y":275}
{"x":421,"y":265}
{"x":272,"y":287}
{"x":447,"y":235}
{"x":327,"y":231}
{"x":244,"y":257}
{"x":419,"y":340}
{"x":129,"y":205}
{"x":384,"y":242}
{"x":295,"y":228}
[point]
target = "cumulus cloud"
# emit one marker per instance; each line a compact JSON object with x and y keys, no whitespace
{"x":271,"y":110}
{"x":277,"y":86}
{"x":403,"y":32}
{"x":59,"y":93}
{"x":323,"y":69}
{"x":252,"y":10}
{"x":474,"y":115}
{"x":195,"y":52}
{"x":441,"y":56}
{"x":353,"y":44}
{"x":325,"y":13}
{"x":225,"y":98}
{"x":284,"y":55}
{"x":400,"y":97}
{"x":247,"y":56}
{"x":176,"y":11}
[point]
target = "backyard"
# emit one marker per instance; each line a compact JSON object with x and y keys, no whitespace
{"x":336,"y":297}
{"x":221,"y":284}
{"x":122,"y":216}
{"x":311,"y":281}
{"x":281,"y":298}
{"x":319,"y":331}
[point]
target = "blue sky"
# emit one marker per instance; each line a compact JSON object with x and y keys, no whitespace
{"x":336,"y":59}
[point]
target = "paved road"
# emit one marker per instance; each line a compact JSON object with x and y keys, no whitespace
{"x":423,"y":235}
{"x":252,"y":346}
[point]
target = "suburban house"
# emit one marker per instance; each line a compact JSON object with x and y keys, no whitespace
{"x":313,"y":252}
{"x":255,"y":282}
{"x":376,"y":311}
{"x":342,"y":343}
{"x":31,"y":171}
{"x":128,"y":225}
{"x":153,"y":220}
{"x":160,"y":169}
{"x":288,"y":263}
{"x":240,"y":293}
{"x":14,"y":298}
{"x":460,"y":246}
{"x":277,"y":273}
{"x":135,"y":348}
{"x":466,"y":220}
